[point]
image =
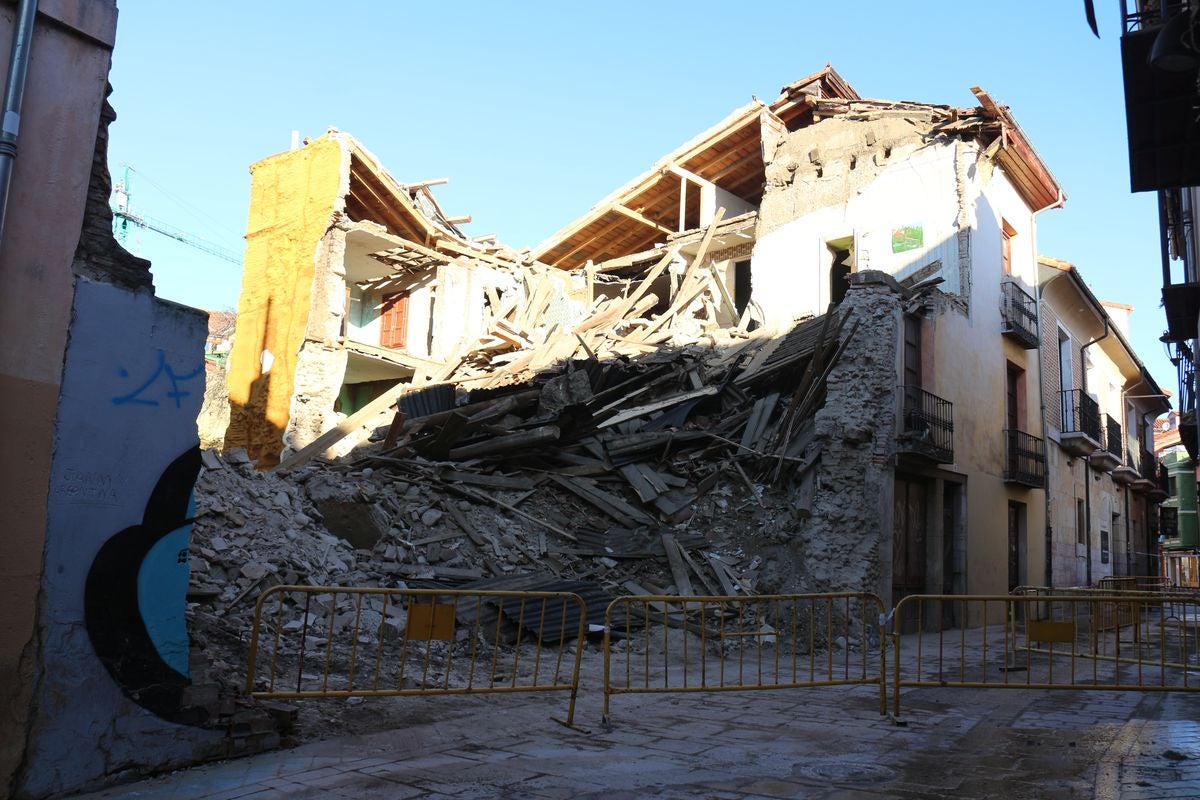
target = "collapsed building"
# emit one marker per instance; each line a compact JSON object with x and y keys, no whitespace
{"x":904,"y":232}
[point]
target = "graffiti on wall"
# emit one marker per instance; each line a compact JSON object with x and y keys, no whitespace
{"x":136,"y":591}
{"x":162,"y":384}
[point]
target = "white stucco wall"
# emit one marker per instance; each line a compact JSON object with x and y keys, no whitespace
{"x":919,"y":187}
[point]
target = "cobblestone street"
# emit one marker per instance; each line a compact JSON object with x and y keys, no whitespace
{"x":815,"y":743}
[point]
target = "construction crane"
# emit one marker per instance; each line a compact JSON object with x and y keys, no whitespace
{"x":124,"y":215}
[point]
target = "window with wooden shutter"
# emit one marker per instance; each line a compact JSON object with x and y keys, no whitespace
{"x":393,"y":320}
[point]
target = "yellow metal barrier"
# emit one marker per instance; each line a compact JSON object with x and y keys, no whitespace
{"x":368,"y":642}
{"x":1048,"y":639}
{"x":668,"y":643}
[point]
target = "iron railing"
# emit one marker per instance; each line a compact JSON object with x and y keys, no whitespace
{"x":1113,"y":442}
{"x":723,"y":643}
{"x":1148,"y":467}
{"x":1140,"y":15}
{"x":337,"y":642}
{"x":926,"y":424}
{"x":1018,"y":311}
{"x":1080,"y":413}
{"x":1048,"y":639}
{"x":1024,"y":459}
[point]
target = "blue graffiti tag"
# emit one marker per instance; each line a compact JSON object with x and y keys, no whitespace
{"x":174,"y":391}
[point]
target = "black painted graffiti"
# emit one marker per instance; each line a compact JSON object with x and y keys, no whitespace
{"x":135,"y":595}
{"x":164,"y":378}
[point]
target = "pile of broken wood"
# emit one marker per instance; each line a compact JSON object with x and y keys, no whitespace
{"x":625,"y":316}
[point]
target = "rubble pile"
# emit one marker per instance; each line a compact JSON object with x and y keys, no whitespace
{"x":682,"y":472}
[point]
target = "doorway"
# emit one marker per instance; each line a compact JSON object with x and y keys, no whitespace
{"x":908,"y":546}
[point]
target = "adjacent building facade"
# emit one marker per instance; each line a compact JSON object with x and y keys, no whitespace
{"x":1100,"y":407}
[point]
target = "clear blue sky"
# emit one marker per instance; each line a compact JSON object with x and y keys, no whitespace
{"x":537,"y":110}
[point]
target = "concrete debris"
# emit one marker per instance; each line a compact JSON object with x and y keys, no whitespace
{"x":681,"y":472}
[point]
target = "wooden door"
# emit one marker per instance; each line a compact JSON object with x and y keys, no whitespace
{"x":393,"y":320}
{"x":908,"y":545}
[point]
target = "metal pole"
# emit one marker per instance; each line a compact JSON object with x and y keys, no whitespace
{"x":14,"y":94}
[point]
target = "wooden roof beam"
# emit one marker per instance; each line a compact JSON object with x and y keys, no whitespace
{"x":634,"y":215}
{"x":423,"y":184}
{"x":602,"y":232}
{"x":736,"y":165}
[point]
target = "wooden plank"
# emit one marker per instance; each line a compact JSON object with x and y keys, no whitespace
{"x":702,"y":250}
{"x":610,"y":504}
{"x":460,"y":519}
{"x":708,"y":584}
{"x":493,"y":481}
{"x":683,"y":584}
{"x":417,"y":570}
{"x":487,"y":498}
{"x":505,"y":444}
{"x":394,"y":430}
{"x":645,"y":490}
{"x":730,"y":306}
{"x":642,"y":218}
{"x":343,"y":428}
{"x":441,"y":537}
{"x":719,"y":569}
{"x":638,"y":411}
{"x":438,"y":448}
{"x":653,"y":477}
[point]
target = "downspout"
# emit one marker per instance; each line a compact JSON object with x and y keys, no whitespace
{"x":1048,"y":555}
{"x":14,"y":94}
{"x":1128,"y":537}
{"x":1087,"y":477}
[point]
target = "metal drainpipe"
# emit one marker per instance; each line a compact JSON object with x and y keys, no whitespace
{"x":1048,"y":575}
{"x":1128,"y":536}
{"x":1087,"y":476}
{"x":1037,"y":291}
{"x":14,"y":94}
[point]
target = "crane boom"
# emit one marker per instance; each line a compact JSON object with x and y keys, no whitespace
{"x":124,"y":216}
{"x":127,"y":217}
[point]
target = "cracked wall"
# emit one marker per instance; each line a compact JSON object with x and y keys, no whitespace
{"x":864,"y":182}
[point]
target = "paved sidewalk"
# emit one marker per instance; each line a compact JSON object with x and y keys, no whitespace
{"x":809,"y":743}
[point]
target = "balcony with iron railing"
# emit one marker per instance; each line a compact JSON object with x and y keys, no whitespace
{"x":1018,"y":314}
{"x":1080,"y":433}
{"x":1147,"y":467}
{"x":1109,"y":456}
{"x":1024,"y":459}
{"x":1158,"y":60}
{"x":1126,"y":472}
{"x":926,"y":425}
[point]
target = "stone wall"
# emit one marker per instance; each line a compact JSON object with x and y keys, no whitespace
{"x":849,"y":545}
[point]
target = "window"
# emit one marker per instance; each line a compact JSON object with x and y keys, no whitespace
{"x":1014,"y":401}
{"x":393,"y":320}
{"x":840,"y":266}
{"x":1006,"y":241}
{"x":1066,"y":367}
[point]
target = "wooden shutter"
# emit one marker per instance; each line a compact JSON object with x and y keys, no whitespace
{"x":393,"y":320}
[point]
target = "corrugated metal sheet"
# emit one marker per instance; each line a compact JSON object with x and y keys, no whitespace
{"x":595,"y":598}
{"x":626,"y":543}
{"x":426,"y":401}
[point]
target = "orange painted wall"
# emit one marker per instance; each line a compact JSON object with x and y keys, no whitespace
{"x":293,"y":197}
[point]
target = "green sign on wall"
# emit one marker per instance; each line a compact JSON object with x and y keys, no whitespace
{"x":908,"y":237}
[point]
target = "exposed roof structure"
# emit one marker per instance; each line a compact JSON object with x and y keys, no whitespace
{"x":732,"y":156}
{"x":729,"y":155}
